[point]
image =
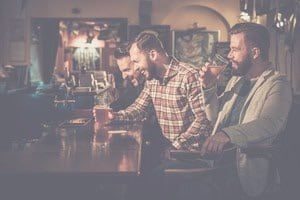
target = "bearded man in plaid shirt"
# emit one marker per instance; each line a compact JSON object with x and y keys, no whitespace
{"x":172,"y":88}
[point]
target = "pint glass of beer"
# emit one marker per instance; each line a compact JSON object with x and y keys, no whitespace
{"x":217,"y":64}
{"x":101,"y":113}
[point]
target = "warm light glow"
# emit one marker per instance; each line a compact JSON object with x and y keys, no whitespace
{"x":244,"y":17}
{"x":280,"y":21}
{"x":124,"y":164}
{"x":80,"y":41}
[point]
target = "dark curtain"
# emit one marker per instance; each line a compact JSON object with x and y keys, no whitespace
{"x":49,"y":43}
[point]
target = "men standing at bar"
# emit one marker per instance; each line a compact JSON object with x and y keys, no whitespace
{"x":134,"y":84}
{"x":173,"y":89}
{"x":252,"y":110}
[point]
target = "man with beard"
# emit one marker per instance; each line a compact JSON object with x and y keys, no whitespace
{"x":252,"y":110}
{"x":172,"y":88}
{"x":133,"y":80}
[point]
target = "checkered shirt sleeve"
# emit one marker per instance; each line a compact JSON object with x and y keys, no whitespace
{"x":138,"y":111}
{"x":200,"y":127}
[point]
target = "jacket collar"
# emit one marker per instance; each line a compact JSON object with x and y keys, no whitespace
{"x":263,"y":77}
{"x":268,"y":72}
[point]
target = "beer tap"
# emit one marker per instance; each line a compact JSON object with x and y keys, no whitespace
{"x":65,"y":101}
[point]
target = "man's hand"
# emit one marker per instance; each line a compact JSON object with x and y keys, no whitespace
{"x":215,"y":143}
{"x":111,"y":115}
{"x":207,"y":77}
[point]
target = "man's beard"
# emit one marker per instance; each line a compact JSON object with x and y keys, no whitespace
{"x":242,"y":67}
{"x":133,"y":80}
{"x":151,"y":70}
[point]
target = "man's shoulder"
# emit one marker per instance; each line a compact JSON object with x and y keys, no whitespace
{"x":276,"y":76}
{"x":186,"y":68}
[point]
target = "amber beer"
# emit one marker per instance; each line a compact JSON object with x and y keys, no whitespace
{"x":218,"y":64}
{"x":102,"y":113}
{"x":216,"y":70}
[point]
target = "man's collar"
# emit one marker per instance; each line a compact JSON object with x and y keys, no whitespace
{"x":172,"y":70}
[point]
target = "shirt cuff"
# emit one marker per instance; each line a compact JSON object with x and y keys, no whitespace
{"x":177,"y":145}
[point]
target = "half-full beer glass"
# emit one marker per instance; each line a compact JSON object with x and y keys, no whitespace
{"x":217,"y":64}
{"x":102,"y":113}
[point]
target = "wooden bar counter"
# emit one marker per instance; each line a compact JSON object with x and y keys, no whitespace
{"x":89,"y":150}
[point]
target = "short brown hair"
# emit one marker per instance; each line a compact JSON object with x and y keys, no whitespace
{"x":255,"y":34}
{"x":148,"y":40}
{"x":122,"y":51}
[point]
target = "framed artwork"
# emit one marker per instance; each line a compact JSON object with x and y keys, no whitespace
{"x":163,"y":31}
{"x":193,"y":46}
{"x":221,"y":48}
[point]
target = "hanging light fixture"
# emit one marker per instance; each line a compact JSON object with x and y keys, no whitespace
{"x":280,"y":21}
{"x":244,"y":17}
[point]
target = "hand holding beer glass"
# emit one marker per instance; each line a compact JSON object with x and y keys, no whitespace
{"x":210,"y":72}
{"x":102,"y":114}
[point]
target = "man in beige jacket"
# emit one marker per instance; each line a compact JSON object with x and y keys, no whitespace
{"x":253,"y":108}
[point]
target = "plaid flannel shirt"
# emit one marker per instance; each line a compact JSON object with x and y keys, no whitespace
{"x":178,"y":105}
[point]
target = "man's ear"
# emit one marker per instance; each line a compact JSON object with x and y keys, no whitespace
{"x":255,"y":53}
{"x":153,"y":55}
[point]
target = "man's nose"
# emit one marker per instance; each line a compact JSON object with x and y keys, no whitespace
{"x":229,"y":56}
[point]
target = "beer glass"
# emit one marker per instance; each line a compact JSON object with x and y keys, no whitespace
{"x":101,"y":113}
{"x":217,"y":64}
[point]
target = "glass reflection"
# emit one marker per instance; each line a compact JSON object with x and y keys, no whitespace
{"x":125,"y":164}
{"x":100,"y":139}
{"x":68,"y":143}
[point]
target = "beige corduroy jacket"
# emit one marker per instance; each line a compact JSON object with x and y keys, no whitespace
{"x":263,"y":117}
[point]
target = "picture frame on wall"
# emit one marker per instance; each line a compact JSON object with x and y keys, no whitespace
{"x":193,"y":46}
{"x":164,"y":33}
{"x":221,"y":48}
